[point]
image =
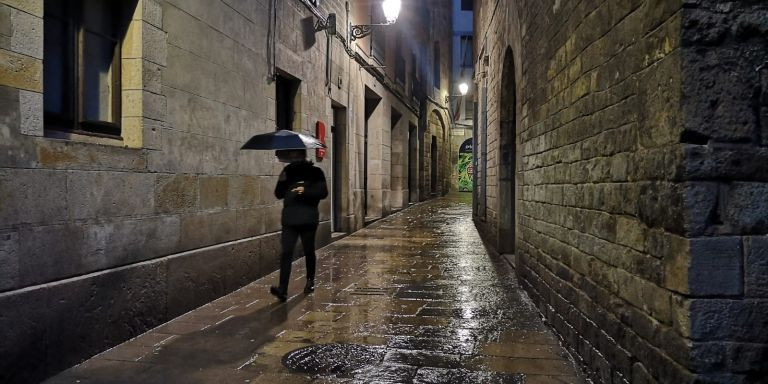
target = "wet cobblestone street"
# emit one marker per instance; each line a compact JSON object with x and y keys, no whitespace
{"x":413,"y":298}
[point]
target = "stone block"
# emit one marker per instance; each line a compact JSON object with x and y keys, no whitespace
{"x":176,"y":193}
{"x":250,"y":222}
{"x":746,"y":207}
{"x":103,"y":310}
{"x":132,"y":100}
{"x":756,"y":266}
{"x":631,"y":233}
{"x":154,"y":106}
{"x":726,"y":161}
{"x":729,"y":320}
{"x":152,"y":77}
{"x":152,"y":13}
{"x":152,"y":136}
{"x":198,"y":277}
{"x":27,"y":37}
{"x":187,"y":72}
{"x":701,"y":206}
{"x":31,"y":109}
{"x":24,"y":326}
{"x":208,"y":228}
{"x":6,"y":29}
{"x":112,"y":244}
{"x":182,"y":153}
{"x":60,"y":154}
{"x":244,"y":191}
{"x":110,"y":194}
{"x":214,"y":192}
{"x":131,"y":47}
{"x":715,"y":266}
{"x":154,"y":47}
{"x":9,"y":260}
{"x":20,"y":71}
{"x":747,"y":357}
{"x":273,"y":217}
{"x":51,"y":252}
{"x":35,"y":7}
{"x":132,"y":74}
{"x":717,"y":91}
{"x":32,"y":196}
{"x":660,"y":206}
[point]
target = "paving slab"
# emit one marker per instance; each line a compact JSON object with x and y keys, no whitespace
{"x":416,"y":290}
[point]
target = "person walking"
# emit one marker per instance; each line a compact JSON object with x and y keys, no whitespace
{"x":301,"y":186}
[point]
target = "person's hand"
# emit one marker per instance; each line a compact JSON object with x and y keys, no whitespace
{"x":299,"y":190}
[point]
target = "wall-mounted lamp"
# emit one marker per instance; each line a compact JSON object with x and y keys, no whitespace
{"x":391,"y":10}
{"x":463,"y":89}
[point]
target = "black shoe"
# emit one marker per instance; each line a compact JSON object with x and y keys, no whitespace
{"x":310,"y":287}
{"x":277,"y":292}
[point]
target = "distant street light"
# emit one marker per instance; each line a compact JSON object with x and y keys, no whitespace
{"x":463,"y":88}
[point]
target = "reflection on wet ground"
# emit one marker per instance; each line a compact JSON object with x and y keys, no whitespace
{"x":414,"y":298}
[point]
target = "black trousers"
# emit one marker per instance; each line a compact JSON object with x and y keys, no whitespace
{"x":291,"y":233}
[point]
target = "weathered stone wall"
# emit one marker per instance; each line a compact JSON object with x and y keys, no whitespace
{"x":102,"y":239}
{"x":639,"y":213}
{"x":725,"y":144}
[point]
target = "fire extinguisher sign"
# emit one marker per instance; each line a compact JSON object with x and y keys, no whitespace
{"x":320,"y":134}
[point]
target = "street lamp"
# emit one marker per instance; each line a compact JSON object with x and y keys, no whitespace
{"x":391,"y":10}
{"x":463,"y":89}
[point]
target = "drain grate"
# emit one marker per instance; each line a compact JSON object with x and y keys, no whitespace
{"x":336,"y":359}
{"x":370,"y":291}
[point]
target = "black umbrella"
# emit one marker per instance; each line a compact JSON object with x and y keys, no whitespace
{"x":282,"y":139}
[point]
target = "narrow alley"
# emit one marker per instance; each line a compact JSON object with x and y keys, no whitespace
{"x":498,"y":191}
{"x":413,"y":298}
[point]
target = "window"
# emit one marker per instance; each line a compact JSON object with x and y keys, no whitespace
{"x":378,"y":39}
{"x":399,"y":60}
{"x":286,"y":101}
{"x":81,"y":66}
{"x":467,"y":5}
{"x":469,"y":109}
{"x":436,"y":65}
{"x":466,"y":56}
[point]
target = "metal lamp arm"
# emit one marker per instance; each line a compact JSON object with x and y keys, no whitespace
{"x":362,"y":30}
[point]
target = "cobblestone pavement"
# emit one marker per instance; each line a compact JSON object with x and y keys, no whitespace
{"x":414,"y":298}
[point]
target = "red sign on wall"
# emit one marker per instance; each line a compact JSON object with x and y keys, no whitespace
{"x":320,"y":134}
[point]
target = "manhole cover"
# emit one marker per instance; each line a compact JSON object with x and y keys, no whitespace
{"x":332,"y":358}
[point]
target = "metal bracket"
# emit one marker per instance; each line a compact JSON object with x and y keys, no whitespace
{"x":359,"y":31}
{"x":329,"y":26}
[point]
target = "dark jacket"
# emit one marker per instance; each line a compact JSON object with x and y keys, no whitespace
{"x":301,"y":209}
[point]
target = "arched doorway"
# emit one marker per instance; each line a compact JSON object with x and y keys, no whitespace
{"x":437,"y":161}
{"x":507,"y":154}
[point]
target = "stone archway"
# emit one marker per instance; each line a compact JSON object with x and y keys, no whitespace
{"x":507,"y":154}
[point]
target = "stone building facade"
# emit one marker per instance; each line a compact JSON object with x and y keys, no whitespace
{"x":125,"y":200}
{"x":622,"y":166}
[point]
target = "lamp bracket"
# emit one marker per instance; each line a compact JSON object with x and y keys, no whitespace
{"x":362,"y":30}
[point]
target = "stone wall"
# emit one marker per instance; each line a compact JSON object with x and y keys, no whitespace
{"x":102,"y":239}
{"x":725,"y":144}
{"x":639,"y":197}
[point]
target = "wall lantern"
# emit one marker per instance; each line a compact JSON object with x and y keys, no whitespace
{"x":391,"y":10}
{"x":463,"y":89}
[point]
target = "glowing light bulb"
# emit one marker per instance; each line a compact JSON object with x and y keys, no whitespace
{"x":463,"y":88}
{"x":391,"y":10}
